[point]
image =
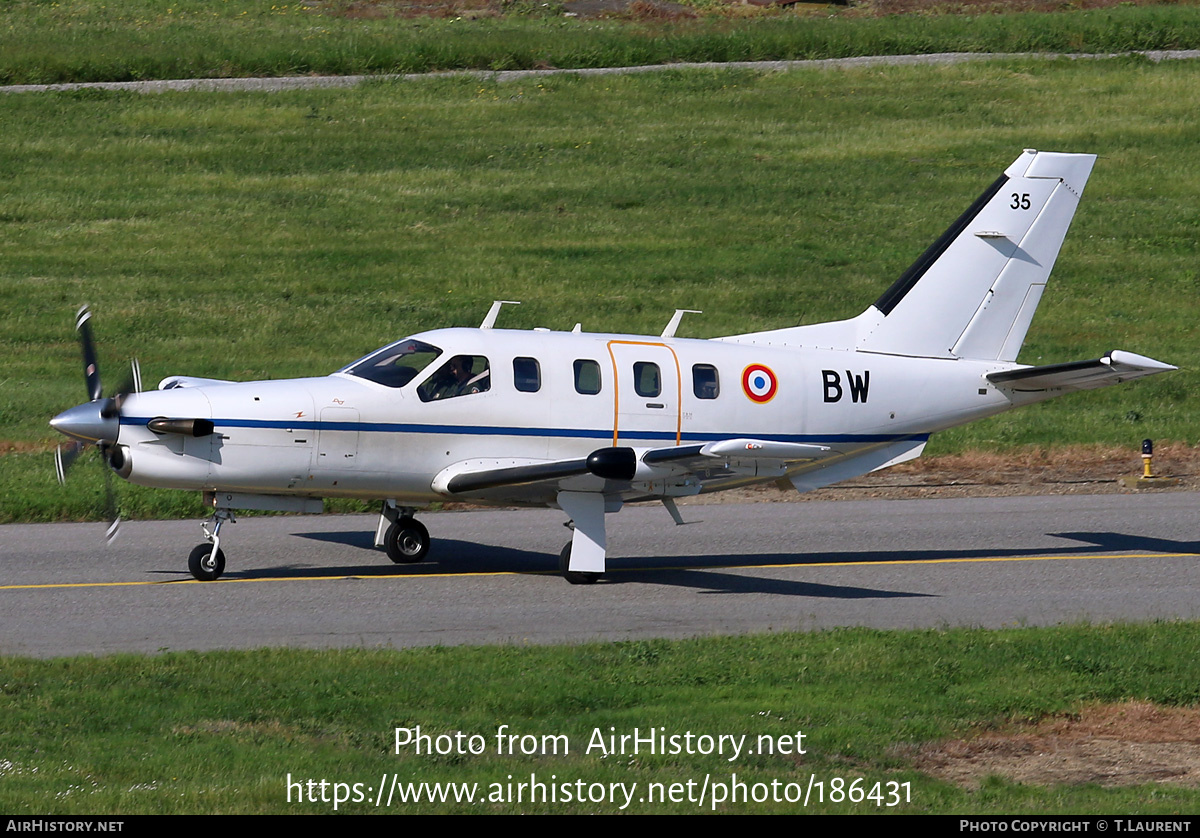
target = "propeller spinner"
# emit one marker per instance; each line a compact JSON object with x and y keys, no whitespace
{"x":98,"y":421}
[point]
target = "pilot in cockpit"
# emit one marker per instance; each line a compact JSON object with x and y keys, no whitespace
{"x":458,"y":378}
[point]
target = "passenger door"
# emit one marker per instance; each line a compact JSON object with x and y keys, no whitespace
{"x":647,"y":399}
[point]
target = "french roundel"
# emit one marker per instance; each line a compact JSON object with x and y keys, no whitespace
{"x":758,"y":383}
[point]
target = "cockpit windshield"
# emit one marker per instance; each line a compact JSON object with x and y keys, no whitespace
{"x":396,"y":364}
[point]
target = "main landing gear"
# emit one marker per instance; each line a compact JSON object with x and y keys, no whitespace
{"x":586,"y":548}
{"x":406,"y":540}
{"x":574,"y":577}
{"x":207,"y":561}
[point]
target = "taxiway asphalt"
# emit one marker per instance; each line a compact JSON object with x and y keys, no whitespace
{"x":734,"y":568}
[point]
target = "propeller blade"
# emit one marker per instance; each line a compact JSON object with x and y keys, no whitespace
{"x":131,"y":383}
{"x":91,"y":369}
{"x":110,"y":507}
{"x":64,"y":458}
{"x":94,"y":424}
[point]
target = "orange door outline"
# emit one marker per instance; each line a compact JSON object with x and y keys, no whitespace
{"x":617,"y":385}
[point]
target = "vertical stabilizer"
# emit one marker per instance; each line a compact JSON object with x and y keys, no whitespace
{"x":973,"y":293}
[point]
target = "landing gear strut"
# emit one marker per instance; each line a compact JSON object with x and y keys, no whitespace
{"x":207,"y":561}
{"x":587,"y":545}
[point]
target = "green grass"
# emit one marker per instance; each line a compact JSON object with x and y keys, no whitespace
{"x":90,"y":40}
{"x":220,"y":731}
{"x":250,"y":235}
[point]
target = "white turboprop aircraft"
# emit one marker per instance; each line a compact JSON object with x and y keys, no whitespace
{"x":588,"y":422}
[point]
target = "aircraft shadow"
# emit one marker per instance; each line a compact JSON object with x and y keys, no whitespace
{"x":1119,"y":542}
{"x":351,"y":538}
{"x":701,"y":572}
{"x":474,"y":557}
{"x":716,"y":582}
{"x":465,"y":558}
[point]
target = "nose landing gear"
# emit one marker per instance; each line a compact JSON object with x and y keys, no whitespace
{"x":207,"y":561}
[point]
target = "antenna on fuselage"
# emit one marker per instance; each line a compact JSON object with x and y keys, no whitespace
{"x":494,"y":311}
{"x":669,"y":332}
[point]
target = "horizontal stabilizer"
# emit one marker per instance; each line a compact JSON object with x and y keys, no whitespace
{"x":1113,"y":368}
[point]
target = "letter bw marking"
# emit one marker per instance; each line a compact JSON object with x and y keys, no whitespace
{"x":858,"y":384}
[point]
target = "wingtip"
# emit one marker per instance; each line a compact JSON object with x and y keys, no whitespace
{"x":1132,"y":359}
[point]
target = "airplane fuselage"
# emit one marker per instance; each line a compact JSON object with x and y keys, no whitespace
{"x":343,"y":435}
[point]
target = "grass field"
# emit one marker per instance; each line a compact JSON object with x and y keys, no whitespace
{"x":221,"y":732}
{"x":94,"y":40}
{"x":271,"y":235}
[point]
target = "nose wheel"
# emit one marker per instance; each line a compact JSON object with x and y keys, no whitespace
{"x":206,"y":562}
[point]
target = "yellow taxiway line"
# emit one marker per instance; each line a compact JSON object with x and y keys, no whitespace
{"x":384,"y":576}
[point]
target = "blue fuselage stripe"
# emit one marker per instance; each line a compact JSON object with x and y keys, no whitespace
{"x":566,"y":433}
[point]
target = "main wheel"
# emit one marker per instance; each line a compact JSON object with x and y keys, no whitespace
{"x":407,"y":541}
{"x":575,"y":577}
{"x":205,"y":563}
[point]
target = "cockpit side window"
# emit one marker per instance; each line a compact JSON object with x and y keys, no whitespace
{"x":396,"y":364}
{"x":462,"y":375}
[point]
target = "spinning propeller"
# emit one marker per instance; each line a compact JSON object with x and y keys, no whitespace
{"x":97,"y":422}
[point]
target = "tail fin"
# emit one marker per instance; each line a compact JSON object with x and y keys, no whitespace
{"x":973,"y":293}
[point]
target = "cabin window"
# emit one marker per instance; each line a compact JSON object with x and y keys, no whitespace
{"x":646,"y":380}
{"x":587,"y":377}
{"x":705,"y":383}
{"x":527,"y":374}
{"x":462,"y":375}
{"x":394,"y":365}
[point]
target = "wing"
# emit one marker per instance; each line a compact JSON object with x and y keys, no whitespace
{"x":629,"y":473}
{"x":1113,"y":368}
{"x":474,"y":477}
